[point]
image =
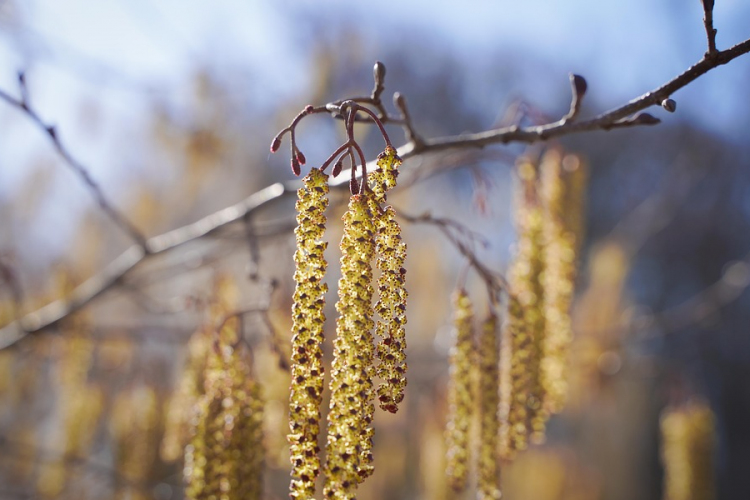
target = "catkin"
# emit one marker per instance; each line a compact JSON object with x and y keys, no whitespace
{"x":559,"y":277}
{"x":688,"y":443}
{"x":225,"y":457}
{"x":515,"y":379}
{"x":391,"y":305}
{"x":349,"y":443}
{"x":134,"y":426}
{"x":489,"y":398}
{"x":460,"y":397}
{"x":525,"y":277}
{"x":307,"y":312}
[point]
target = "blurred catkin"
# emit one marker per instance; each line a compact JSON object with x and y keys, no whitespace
{"x":559,"y":277}
{"x":391,"y":306}
{"x":688,"y":447}
{"x":489,"y":398}
{"x":307,"y":369}
{"x":515,"y":379}
{"x":225,"y":456}
{"x":523,"y":414}
{"x":460,"y":397}
{"x":134,"y":424}
{"x":349,"y":443}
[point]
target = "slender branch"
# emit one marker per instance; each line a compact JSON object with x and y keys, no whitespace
{"x":708,"y":22}
{"x":77,"y":167}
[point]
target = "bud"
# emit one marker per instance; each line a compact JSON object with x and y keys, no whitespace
{"x":646,"y":119}
{"x":353,"y":186}
{"x":309,"y":109}
{"x":669,"y":104}
{"x":579,"y":84}
{"x":295,"y":166}
{"x":337,"y":168}
{"x":301,"y":158}
{"x":276,"y":144}
{"x":378,"y":72}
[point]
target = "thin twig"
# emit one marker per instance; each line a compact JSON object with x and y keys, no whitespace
{"x":708,"y":22}
{"x":77,"y":167}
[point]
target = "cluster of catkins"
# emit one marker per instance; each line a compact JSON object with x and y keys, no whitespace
{"x":223,"y":433}
{"x":370,"y":231}
{"x":527,"y":360}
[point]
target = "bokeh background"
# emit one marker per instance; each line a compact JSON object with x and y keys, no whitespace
{"x":172,"y":105}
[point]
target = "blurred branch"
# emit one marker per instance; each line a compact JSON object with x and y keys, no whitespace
{"x":464,"y":240}
{"x":96,"y":191}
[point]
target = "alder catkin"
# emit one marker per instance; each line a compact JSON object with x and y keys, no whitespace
{"x":489,"y":398}
{"x":525,"y":279}
{"x":307,"y":369}
{"x":391,"y":305}
{"x":460,"y":397}
{"x":559,"y":278}
{"x":688,"y":447}
{"x":349,"y":443}
{"x":515,"y":380}
{"x":225,"y":456}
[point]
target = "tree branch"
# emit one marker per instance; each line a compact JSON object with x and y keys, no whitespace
{"x":77,"y":167}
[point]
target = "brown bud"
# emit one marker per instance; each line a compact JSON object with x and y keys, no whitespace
{"x":301,"y":158}
{"x":295,"y":166}
{"x":354,"y":186}
{"x":669,"y":104}
{"x":309,"y":109}
{"x":276,"y":144}
{"x":579,"y":84}
{"x":337,"y":168}
{"x":646,"y":119}
{"x":399,"y":101}
{"x":378,"y":72}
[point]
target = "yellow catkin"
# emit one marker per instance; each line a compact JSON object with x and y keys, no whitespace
{"x":391,"y":306}
{"x":179,"y":407}
{"x":307,"y":312}
{"x":225,"y":456}
{"x":349,"y":443}
{"x":559,"y":277}
{"x":134,"y":424}
{"x":524,"y":416}
{"x":688,"y":447}
{"x":489,"y":398}
{"x":460,"y":397}
{"x":515,"y":379}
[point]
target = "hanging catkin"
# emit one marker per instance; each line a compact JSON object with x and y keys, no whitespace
{"x":559,"y":277}
{"x":307,"y":313}
{"x":349,"y":443}
{"x":225,"y":457}
{"x":391,"y":306}
{"x":488,"y":355}
{"x":688,"y":447}
{"x":460,"y":397}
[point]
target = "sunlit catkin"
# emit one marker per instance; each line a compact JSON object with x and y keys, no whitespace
{"x":688,"y":443}
{"x":349,"y":444}
{"x":460,"y":397}
{"x":225,"y":457}
{"x":559,"y":276}
{"x":307,"y":313}
{"x":391,"y":305}
{"x":489,"y":398}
